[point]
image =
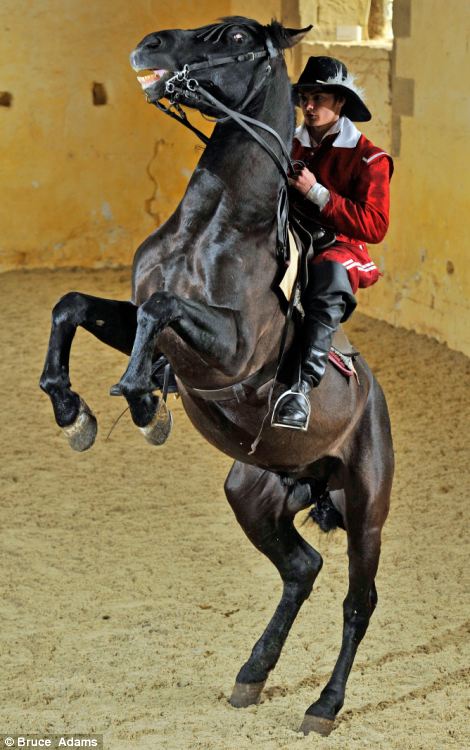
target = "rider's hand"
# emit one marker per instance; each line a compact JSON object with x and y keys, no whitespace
{"x":303,"y":181}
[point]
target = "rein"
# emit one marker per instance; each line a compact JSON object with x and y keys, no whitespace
{"x":182,"y":84}
{"x":244,"y":122}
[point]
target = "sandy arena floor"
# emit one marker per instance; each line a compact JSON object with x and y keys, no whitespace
{"x":131,"y":596}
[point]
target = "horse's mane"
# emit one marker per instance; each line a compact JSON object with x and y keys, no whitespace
{"x":275,"y":30}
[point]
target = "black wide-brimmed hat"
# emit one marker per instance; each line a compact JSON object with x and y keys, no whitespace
{"x":330,"y":74}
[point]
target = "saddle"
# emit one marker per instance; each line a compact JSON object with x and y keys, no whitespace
{"x":305,"y":218}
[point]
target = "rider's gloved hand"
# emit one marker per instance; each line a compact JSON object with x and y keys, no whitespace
{"x":303,"y":181}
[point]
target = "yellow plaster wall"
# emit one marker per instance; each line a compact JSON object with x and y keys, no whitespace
{"x":425,"y":258}
{"x":263,"y":12}
{"x":83,"y":184}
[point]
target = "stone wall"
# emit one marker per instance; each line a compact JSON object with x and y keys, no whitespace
{"x":347,"y":20}
{"x":419,"y":96}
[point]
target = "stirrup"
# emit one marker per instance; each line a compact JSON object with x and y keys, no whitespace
{"x":274,"y":423}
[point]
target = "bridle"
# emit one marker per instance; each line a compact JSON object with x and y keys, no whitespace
{"x":184,"y":83}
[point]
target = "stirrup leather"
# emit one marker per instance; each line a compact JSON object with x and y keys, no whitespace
{"x":275,"y":423}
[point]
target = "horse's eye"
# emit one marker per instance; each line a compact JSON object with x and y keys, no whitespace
{"x":238,"y":38}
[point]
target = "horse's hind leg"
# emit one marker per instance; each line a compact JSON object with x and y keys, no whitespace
{"x":265,"y":509}
{"x":360,"y":602}
{"x":112,"y":322}
{"x":367,"y":488}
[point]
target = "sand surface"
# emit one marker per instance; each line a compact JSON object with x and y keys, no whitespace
{"x":131,"y":596}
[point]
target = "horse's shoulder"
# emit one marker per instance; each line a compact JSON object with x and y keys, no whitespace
{"x":203,"y":178}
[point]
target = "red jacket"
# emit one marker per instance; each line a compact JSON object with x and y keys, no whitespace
{"x":357,"y":175}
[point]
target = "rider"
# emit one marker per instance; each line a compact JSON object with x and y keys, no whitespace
{"x":344,"y":186}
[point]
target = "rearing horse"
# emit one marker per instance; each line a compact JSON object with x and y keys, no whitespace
{"x":204,"y":293}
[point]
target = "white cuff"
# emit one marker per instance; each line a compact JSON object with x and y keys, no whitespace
{"x":318,"y":194}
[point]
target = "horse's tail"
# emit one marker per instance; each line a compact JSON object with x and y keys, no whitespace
{"x":308,"y":493}
{"x":324,"y":513}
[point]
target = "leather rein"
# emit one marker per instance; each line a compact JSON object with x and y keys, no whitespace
{"x":182,"y":83}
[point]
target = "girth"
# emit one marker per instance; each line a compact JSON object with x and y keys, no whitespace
{"x":237,"y":390}
{"x":341,"y":346}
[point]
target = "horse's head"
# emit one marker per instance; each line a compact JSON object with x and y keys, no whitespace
{"x":225,"y":58}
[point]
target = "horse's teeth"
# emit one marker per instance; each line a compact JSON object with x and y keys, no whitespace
{"x":150,"y":78}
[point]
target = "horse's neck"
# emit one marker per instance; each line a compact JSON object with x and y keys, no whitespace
{"x":224,"y":231}
{"x":241,"y":163}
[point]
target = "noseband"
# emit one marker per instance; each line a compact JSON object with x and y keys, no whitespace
{"x":192,"y":84}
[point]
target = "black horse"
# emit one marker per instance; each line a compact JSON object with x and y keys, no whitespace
{"x":204,"y":293}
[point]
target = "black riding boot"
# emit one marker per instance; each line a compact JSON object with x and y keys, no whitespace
{"x":327,"y":301}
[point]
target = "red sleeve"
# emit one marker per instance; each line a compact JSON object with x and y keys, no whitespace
{"x":366,"y":216}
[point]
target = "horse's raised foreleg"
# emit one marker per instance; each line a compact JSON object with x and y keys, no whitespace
{"x":210,"y":332}
{"x":112,"y":322}
{"x":265,"y":509}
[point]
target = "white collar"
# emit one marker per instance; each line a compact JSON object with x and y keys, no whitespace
{"x":348,"y":135}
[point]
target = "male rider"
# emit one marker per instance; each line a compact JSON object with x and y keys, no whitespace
{"x":345,"y":187}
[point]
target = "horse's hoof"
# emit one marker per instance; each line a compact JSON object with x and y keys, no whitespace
{"x":317,"y":724}
{"x":81,"y":433}
{"x":158,"y":430}
{"x":246,"y":694}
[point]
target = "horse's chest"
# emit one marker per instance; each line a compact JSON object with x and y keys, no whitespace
{"x":203,"y":269}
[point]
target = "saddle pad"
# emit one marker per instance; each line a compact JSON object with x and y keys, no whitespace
{"x":343,"y":363}
{"x":288,"y":280}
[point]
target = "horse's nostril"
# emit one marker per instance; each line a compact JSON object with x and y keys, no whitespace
{"x":156,"y":42}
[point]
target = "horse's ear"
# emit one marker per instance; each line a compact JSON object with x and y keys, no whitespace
{"x":293,"y":36}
